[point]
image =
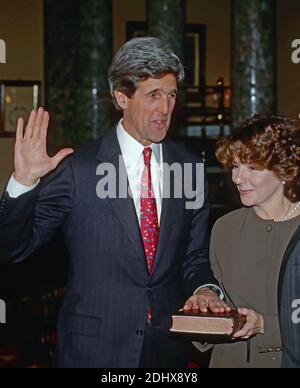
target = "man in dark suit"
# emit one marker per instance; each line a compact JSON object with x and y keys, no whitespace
{"x":134,"y":259}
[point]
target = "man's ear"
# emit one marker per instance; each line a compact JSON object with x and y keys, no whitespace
{"x":121,"y":99}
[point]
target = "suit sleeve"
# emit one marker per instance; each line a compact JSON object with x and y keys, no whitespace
{"x":196,"y":267}
{"x":32,"y":219}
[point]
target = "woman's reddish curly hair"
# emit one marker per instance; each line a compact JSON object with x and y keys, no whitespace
{"x":266,"y":142}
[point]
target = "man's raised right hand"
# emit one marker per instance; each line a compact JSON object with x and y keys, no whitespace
{"x":31,"y":159}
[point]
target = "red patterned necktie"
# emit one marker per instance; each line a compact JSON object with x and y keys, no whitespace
{"x":149,"y":218}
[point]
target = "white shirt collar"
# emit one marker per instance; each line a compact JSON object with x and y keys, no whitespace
{"x":132,"y":149}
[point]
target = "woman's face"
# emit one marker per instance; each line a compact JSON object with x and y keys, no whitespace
{"x":256,"y":187}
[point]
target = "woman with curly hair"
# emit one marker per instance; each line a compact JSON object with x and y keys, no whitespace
{"x":255,"y":251}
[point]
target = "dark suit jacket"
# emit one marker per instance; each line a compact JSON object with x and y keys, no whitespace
{"x":103,"y":317}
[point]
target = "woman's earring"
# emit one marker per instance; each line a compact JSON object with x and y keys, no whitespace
{"x":284,"y":183}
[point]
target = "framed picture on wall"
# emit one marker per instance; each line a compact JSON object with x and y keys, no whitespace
{"x":195,"y":55}
{"x":194,"y":50}
{"x":17,"y":99}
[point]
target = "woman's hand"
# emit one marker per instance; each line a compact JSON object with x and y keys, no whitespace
{"x":253,"y":326}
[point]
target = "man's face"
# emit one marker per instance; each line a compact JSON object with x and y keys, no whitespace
{"x":147,"y":114}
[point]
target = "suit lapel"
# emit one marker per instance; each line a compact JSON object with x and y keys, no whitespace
{"x":171,"y":207}
{"x":110,"y":152}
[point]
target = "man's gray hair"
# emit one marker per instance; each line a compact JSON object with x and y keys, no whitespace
{"x":140,"y":59}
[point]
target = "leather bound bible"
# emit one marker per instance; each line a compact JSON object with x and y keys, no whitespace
{"x":208,"y":327}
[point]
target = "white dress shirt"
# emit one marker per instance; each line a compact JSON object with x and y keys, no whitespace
{"x":132,"y":152}
{"x":15,"y":189}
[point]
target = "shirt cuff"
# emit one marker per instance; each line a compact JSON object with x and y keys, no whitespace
{"x":16,"y":189}
{"x":221,"y":296}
